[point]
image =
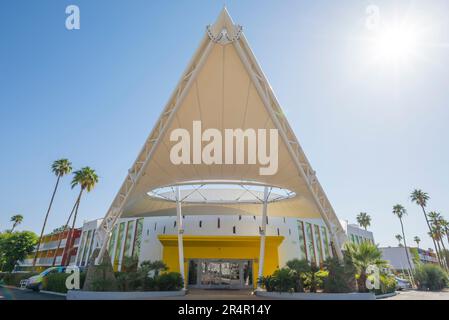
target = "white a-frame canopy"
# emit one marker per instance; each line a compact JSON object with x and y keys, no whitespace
{"x":224,"y":88}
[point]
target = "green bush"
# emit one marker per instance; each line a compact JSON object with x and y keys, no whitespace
{"x":387,"y":284}
{"x":430,"y":277}
{"x":148,"y":277}
{"x":171,"y":281}
{"x":13,"y":279}
{"x":267,"y":282}
{"x":341,"y":276}
{"x":56,"y":282}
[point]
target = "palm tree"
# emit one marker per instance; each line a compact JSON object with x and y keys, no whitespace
{"x":399,"y":211}
{"x":86,"y":178}
{"x":16,"y":220}
{"x":420,"y":198}
{"x":60,"y":168}
{"x":364,"y":220}
{"x":362,"y":256}
{"x":437,"y":233}
{"x":399,"y":238}
{"x":417,"y":240}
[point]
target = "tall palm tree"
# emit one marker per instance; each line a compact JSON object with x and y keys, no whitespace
{"x":86,"y":178}
{"x":437,"y":233}
{"x":399,"y":238}
{"x":60,"y":168}
{"x":420,"y":198}
{"x":16,"y":220}
{"x":399,"y":211}
{"x":417,"y":240}
{"x":364,"y":220}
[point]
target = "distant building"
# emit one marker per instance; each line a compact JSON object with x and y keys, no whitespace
{"x":397,"y":257}
{"x":355,"y":234}
{"x":48,"y":248}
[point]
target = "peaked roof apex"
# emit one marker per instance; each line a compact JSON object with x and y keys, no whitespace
{"x":224,"y":30}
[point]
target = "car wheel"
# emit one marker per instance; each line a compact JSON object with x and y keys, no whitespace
{"x":39,"y":287}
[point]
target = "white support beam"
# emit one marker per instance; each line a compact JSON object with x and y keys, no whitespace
{"x":180,"y":234}
{"x":263,"y":234}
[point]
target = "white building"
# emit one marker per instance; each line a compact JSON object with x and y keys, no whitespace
{"x":220,"y":213}
{"x":356,"y":234}
{"x":397,"y":257}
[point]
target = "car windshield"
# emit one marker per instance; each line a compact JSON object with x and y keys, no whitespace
{"x":50,"y":270}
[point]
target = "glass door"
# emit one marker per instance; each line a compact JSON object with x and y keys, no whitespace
{"x":220,"y":274}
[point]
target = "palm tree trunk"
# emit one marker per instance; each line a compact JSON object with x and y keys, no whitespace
{"x":13,"y":227}
{"x":45,"y":223}
{"x":405,"y":245}
{"x":71,"y":231}
{"x":62,"y":232}
{"x":430,"y":230}
{"x":444,"y":254}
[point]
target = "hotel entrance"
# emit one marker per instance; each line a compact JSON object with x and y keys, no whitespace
{"x":220,"y":274}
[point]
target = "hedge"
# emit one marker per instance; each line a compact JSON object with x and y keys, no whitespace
{"x":13,"y":279}
{"x":56,"y":282}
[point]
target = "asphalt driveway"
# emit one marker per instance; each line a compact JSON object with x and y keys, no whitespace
{"x":7,"y":293}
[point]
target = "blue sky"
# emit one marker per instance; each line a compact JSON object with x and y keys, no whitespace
{"x":372,"y":131}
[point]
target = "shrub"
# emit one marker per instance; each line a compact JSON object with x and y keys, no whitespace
{"x":299,"y":269}
{"x":171,"y":281}
{"x":430,"y":277}
{"x":267,"y":282}
{"x":13,"y":279}
{"x":387,"y":284}
{"x":341,"y":276}
{"x":284,"y":280}
{"x":56,"y":282}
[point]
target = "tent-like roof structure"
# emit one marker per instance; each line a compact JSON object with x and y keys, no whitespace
{"x":224,"y":88}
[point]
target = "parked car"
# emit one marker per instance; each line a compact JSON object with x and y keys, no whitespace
{"x":402,"y":284}
{"x":36,"y":283}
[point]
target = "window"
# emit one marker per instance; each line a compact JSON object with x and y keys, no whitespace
{"x":218,"y":223}
{"x":240,"y":217}
{"x":81,"y":247}
{"x":164,"y":230}
{"x":233,"y":229}
{"x":310,"y":243}
{"x":121,"y":230}
{"x":112,"y":241}
{"x":302,"y":240}
{"x":174,"y":224}
{"x":319,"y":245}
{"x":137,"y":238}
{"x":155,"y":226}
{"x":201,"y":223}
{"x":325,"y":242}
{"x":278,"y":231}
{"x":352,"y":238}
{"x":86,"y":248}
{"x":128,"y":239}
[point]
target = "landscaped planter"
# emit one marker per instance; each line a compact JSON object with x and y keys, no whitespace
{"x":316,"y":296}
{"x":134,"y":295}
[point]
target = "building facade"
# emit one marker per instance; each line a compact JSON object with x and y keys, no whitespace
{"x":397,"y":257}
{"x":48,"y":249}
{"x":152,"y":238}
{"x":221,"y":190}
{"x":356,"y":234}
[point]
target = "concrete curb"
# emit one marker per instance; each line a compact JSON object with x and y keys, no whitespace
{"x":386,"y":295}
{"x":54,"y":293}
{"x":316,"y":296}
{"x":136,"y":295}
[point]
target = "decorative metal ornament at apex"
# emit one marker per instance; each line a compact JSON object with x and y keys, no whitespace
{"x":223,"y":37}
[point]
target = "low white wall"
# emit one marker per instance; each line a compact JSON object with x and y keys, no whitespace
{"x":136,"y":295}
{"x":316,"y":296}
